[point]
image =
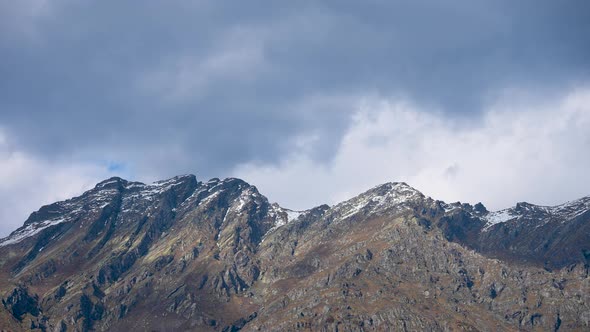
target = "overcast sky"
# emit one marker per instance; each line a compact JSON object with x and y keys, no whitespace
{"x":311,"y":101}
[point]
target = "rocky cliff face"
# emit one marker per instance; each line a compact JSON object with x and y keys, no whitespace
{"x":552,"y":237}
{"x":187,"y":255}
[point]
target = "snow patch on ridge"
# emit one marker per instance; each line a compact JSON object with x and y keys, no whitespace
{"x":282,"y":217}
{"x":293,"y":215}
{"x":29,"y":231}
{"x":497,"y":217}
{"x":572,"y":209}
{"x":377,"y":199}
{"x":287,"y":216}
{"x":542,"y":214}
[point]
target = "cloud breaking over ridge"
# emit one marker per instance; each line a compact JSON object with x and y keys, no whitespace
{"x":457,"y":99}
{"x":521,"y":149}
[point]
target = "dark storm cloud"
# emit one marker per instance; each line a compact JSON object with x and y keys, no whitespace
{"x":161,"y":88}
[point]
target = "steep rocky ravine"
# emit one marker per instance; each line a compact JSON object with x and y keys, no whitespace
{"x":181,"y":255}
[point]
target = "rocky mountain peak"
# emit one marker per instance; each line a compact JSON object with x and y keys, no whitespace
{"x":113,"y":182}
{"x":177,"y":180}
{"x":216,"y":255}
{"x":385,"y":197}
{"x":552,"y":236}
{"x":538,"y":214}
{"x":396,"y":192}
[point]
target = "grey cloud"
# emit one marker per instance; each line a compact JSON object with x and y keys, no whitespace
{"x":178,"y":87}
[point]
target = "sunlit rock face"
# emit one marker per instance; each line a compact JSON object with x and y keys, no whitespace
{"x":182,"y":254}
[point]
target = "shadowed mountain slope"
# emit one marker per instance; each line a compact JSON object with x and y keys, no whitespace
{"x":181,"y":255}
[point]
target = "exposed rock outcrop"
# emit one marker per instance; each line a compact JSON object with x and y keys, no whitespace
{"x":181,"y":254}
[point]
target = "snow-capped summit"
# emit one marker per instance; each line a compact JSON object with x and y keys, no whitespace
{"x":116,"y":252}
{"x":538,"y":214}
{"x":378,"y":199}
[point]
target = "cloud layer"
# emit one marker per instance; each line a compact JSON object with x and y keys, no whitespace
{"x":94,"y":88}
{"x":27,"y":182}
{"x":521,"y":149}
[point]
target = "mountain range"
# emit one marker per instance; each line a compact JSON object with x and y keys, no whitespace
{"x":186,"y":255}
